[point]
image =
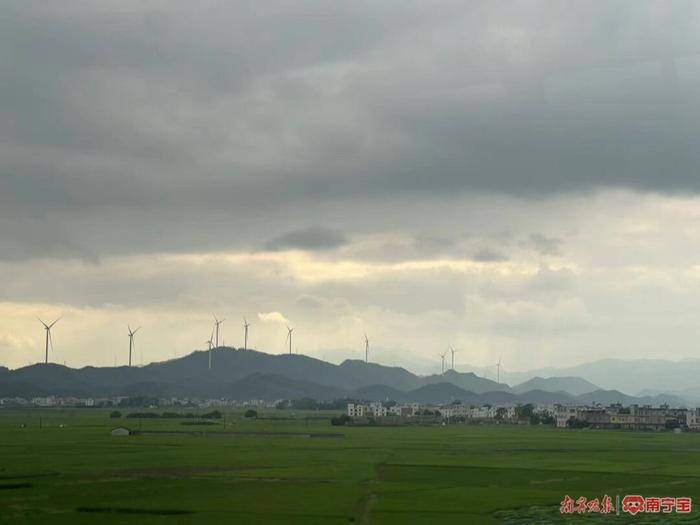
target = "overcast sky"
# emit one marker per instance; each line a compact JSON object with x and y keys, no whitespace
{"x":516,"y":179}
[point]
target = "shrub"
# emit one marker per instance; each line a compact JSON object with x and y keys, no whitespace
{"x":577,"y":423}
{"x":115,"y":414}
{"x":341,"y":420}
{"x":251,"y":413}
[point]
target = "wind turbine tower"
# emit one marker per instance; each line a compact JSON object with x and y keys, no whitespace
{"x":132,"y":333}
{"x":498,"y":370}
{"x":216,"y":326}
{"x":289,"y":338}
{"x":246,"y":324}
{"x":453,"y":351}
{"x":49,"y":341}
{"x":210,"y":342}
{"x":442,"y":356}
{"x":366,"y":349}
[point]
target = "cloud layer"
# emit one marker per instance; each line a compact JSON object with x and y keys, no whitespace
{"x":518,"y":177}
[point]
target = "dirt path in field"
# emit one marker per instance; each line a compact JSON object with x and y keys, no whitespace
{"x":368,"y":496}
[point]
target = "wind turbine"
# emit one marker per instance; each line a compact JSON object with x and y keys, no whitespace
{"x":498,"y":370}
{"x":216,"y":325}
{"x":246,"y":324}
{"x":366,"y":349}
{"x":132,"y":333}
{"x":48,"y":327}
{"x":210,"y":342}
{"x":442,"y":356}
{"x":289,"y":338}
{"x":453,"y":357}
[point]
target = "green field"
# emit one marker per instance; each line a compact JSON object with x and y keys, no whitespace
{"x":80,"y":474}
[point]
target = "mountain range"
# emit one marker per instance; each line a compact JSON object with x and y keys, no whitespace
{"x":632,"y":376}
{"x":249,"y":374}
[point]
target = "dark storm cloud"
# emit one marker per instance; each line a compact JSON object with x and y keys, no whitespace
{"x":312,"y":239}
{"x":167,"y":125}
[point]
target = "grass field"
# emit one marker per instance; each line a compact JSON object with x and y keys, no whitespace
{"x":80,"y":474}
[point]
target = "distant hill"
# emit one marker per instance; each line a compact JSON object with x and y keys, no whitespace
{"x":541,"y":397}
{"x":444,"y":393}
{"x":691,"y":395}
{"x":629,"y":376}
{"x":248,"y":374}
{"x":190,"y":375}
{"x":439,"y":393}
{"x":467,"y":381}
{"x":272,"y":387}
{"x":614,"y":396}
{"x":572,"y":385}
{"x":379,"y":393}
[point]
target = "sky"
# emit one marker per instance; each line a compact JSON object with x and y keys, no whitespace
{"x":518,"y":180}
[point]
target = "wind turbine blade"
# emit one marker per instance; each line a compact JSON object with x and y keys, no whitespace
{"x":50,"y":341}
{"x":139,"y":328}
{"x":57,"y":320}
{"x":42,"y":322}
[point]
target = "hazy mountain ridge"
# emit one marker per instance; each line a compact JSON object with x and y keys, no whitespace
{"x":635,"y":376}
{"x":572,"y":385}
{"x":249,"y":374}
{"x":192,"y":374}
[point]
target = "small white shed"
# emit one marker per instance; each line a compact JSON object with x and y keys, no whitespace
{"x":121,"y":431}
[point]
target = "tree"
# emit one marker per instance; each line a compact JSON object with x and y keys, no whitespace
{"x":577,"y":423}
{"x":672,"y":423}
{"x":340,"y":421}
{"x":251,"y":413}
{"x":547,"y":419}
{"x":115,"y":414}
{"x":524,"y":410}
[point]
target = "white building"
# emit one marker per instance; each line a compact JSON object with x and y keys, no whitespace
{"x":693,"y":418}
{"x":484,"y":412}
{"x":564,"y":413}
{"x":371,"y":410}
{"x":44,"y":401}
{"x":356,"y":410}
{"x":455,"y":411}
{"x":378,"y":410}
{"x":121,"y":431}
